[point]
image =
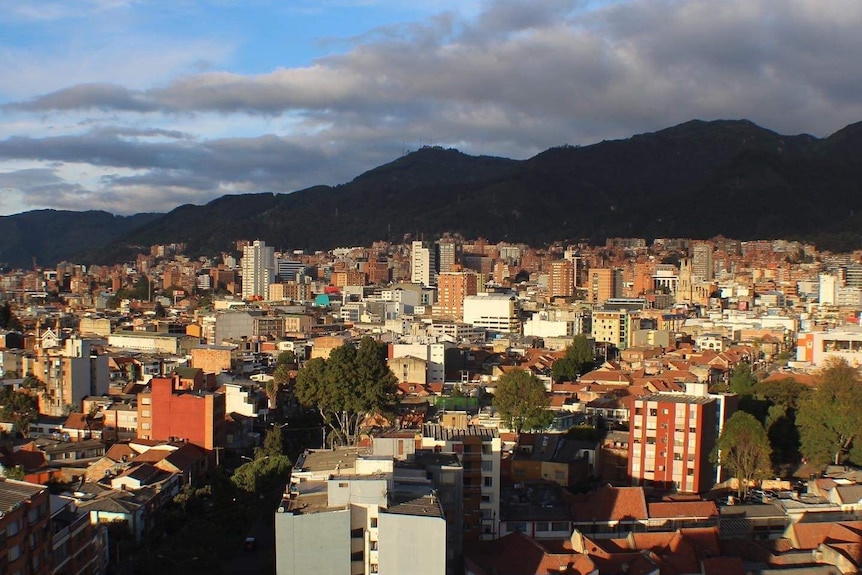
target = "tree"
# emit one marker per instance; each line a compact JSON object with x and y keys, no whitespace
{"x":579,"y":359}
{"x":787,"y":392}
{"x":349,"y":386}
{"x":273,"y":444}
{"x":830,"y":418}
{"x":19,"y":408}
{"x":160,"y":310}
{"x":743,"y":448}
{"x":742,"y":381}
{"x":521,"y":400}
{"x":262,"y":474}
{"x":8,"y":320}
{"x":286,"y":357}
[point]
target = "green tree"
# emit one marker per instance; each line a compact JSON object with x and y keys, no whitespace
{"x":286,"y":357}
{"x":742,"y":381}
{"x":262,"y":474}
{"x":273,"y":444}
{"x":160,"y":310}
{"x":579,"y":359}
{"x":830,"y":418}
{"x":19,"y":408}
{"x":787,"y":392}
{"x":783,"y":435}
{"x":743,"y":448}
{"x":521,"y":399}
{"x":349,"y":386}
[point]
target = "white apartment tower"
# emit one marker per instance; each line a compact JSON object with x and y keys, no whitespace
{"x":423,"y":264}
{"x":258,"y":269}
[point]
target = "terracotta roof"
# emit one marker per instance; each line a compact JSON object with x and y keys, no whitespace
{"x":610,"y":503}
{"x":519,"y":554}
{"x":683,"y":509}
{"x":119,"y":450}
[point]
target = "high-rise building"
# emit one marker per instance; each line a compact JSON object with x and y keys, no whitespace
{"x":452,"y":288}
{"x":561,"y":280}
{"x":446,"y":255}
{"x":701,"y":263}
{"x":258,"y":269}
{"x":423,"y":264}
{"x":672,"y":436}
{"x":601,"y":285}
{"x":496,"y":312}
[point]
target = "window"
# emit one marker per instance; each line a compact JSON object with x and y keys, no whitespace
{"x":14,"y":553}
{"x":560,"y":526}
{"x":145,"y":425}
{"x":374,"y":523}
{"x":653,"y":412}
{"x":343,"y":485}
{"x":145,"y":413}
{"x":664,"y":411}
{"x":489,"y":482}
{"x":13,"y":528}
{"x":145,"y":400}
{"x":541,"y":526}
{"x":690,"y":472}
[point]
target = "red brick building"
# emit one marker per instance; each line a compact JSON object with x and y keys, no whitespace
{"x":672,"y":436}
{"x":25,"y":540}
{"x":165,"y":412}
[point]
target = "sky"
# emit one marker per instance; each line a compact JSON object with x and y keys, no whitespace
{"x":144,"y":105}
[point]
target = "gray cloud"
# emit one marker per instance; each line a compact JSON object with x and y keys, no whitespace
{"x":521,"y":76}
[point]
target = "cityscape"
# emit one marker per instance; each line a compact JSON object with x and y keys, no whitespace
{"x":443,"y":405}
{"x":447,"y":287}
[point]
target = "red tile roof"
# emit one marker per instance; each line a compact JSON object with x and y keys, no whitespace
{"x":610,"y":503}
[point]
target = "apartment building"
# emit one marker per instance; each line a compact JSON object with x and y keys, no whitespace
{"x":672,"y":436}
{"x":26,"y":544}
{"x":496,"y":312}
{"x":347,"y":513}
{"x":452,"y":289}
{"x":479,"y":450}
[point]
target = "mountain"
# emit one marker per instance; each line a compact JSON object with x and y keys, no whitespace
{"x":50,"y":236}
{"x":698,"y":179}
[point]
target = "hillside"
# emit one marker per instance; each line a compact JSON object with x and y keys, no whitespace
{"x":697,"y":179}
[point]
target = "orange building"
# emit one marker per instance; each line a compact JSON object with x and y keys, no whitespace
{"x":561,"y":280}
{"x":452,"y":288}
{"x":601,"y":285}
{"x":167,"y":412}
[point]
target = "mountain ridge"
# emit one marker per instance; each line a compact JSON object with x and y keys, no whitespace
{"x":697,"y":179}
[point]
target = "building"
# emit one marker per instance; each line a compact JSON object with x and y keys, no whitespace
{"x":478,"y":450}
{"x":258,"y":270}
{"x":447,"y":255}
{"x":614,"y":327}
{"x":27,"y":543}
{"x":348,"y":513}
{"x":78,"y":546}
{"x":602,"y":285}
{"x":165,"y":412}
{"x":561,"y":279}
{"x":452,"y":288}
{"x":701,"y":262}
{"x":817,"y":347}
{"x":423,"y":264}
{"x":70,"y":374}
{"x":672,"y":436}
{"x":496,"y":312}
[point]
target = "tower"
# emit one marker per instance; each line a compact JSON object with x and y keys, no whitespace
{"x":258,"y":269}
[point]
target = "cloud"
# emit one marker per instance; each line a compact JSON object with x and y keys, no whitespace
{"x":511,"y":78}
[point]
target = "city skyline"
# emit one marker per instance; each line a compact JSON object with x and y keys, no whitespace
{"x":132,"y":107}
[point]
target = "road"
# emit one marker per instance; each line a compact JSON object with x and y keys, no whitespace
{"x":260,"y":561}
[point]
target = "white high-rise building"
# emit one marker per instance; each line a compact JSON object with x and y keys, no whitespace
{"x":258,"y":269}
{"x":423,"y":264}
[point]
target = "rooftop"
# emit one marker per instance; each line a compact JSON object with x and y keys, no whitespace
{"x":13,"y":493}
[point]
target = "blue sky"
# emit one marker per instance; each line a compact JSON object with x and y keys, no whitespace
{"x":136,"y":105}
